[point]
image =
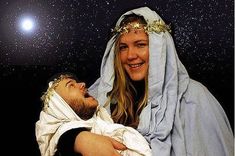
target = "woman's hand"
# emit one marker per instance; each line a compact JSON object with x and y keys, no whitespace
{"x":90,"y":144}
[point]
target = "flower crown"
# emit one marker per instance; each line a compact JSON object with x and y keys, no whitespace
{"x":157,"y":26}
{"x":52,"y":85}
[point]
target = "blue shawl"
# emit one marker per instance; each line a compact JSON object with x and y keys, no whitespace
{"x":182,"y":117}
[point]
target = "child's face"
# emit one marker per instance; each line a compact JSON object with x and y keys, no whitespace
{"x":75,"y":94}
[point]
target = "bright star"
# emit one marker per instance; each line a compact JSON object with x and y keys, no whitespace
{"x":27,"y":24}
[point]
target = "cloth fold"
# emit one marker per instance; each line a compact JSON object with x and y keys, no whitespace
{"x":58,"y":117}
{"x":181,"y":112}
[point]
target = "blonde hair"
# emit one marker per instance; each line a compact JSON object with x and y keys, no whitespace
{"x":123,"y":93}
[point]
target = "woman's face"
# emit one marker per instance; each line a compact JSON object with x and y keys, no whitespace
{"x":134,"y":53}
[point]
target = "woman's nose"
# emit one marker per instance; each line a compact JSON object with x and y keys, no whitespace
{"x":131,"y":54}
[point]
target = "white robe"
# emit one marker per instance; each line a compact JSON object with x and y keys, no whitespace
{"x":59,"y":117}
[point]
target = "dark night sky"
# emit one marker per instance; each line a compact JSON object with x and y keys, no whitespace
{"x":71,"y":35}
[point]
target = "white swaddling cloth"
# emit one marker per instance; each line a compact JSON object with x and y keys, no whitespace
{"x":59,"y":117}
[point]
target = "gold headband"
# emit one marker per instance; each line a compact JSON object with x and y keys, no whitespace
{"x":52,"y":85}
{"x":157,"y":26}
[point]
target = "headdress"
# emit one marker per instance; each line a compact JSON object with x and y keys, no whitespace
{"x":156,"y":26}
{"x":51,"y":86}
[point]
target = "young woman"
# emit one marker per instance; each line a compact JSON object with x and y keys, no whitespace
{"x":143,"y":84}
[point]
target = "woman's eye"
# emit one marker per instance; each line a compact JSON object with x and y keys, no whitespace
{"x":121,"y":48}
{"x":141,"y":45}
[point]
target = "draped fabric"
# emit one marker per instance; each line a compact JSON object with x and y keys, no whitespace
{"x":181,"y":117}
{"x":58,"y":117}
